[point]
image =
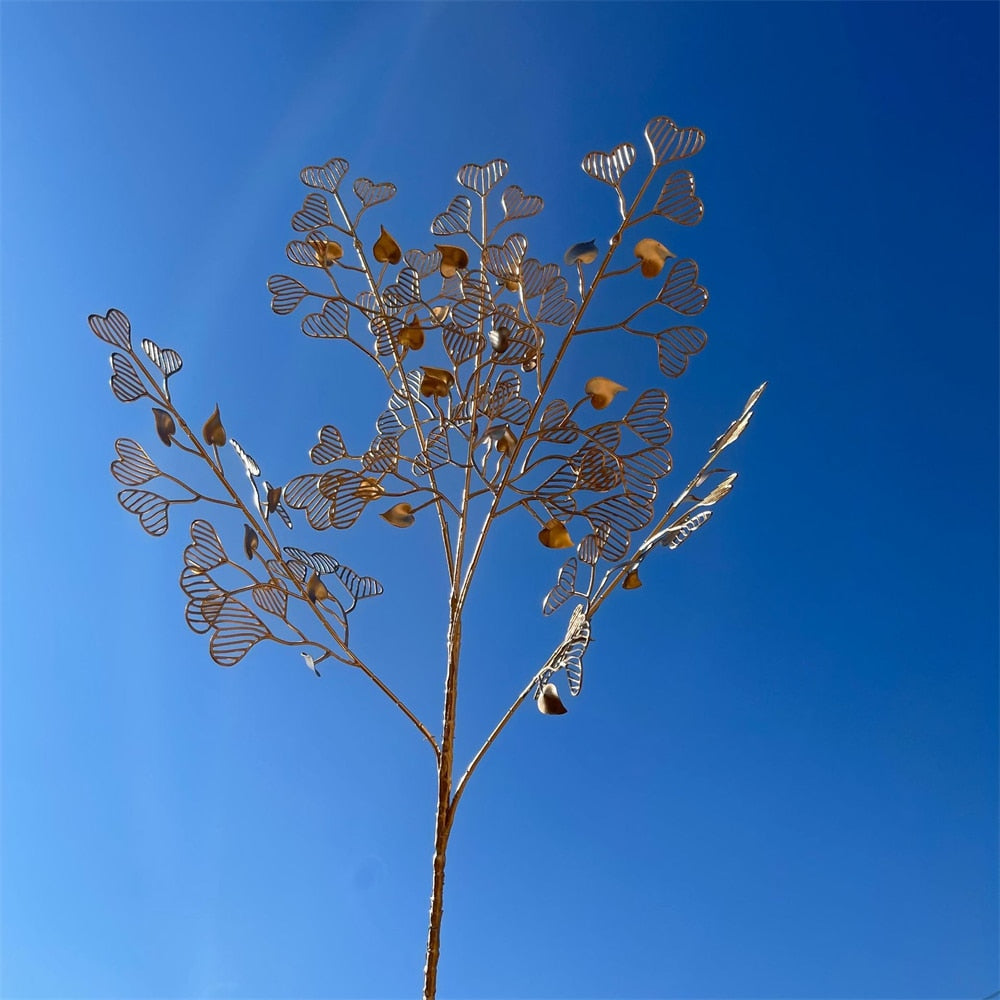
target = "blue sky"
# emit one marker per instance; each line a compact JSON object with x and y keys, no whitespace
{"x":781,"y":777}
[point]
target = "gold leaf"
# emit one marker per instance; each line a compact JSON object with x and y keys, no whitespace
{"x":549,"y":702}
{"x":632,"y":581}
{"x":653,"y":255}
{"x":554,"y":535}
{"x":327,"y":251}
{"x":213,"y":432}
{"x":399,"y":515}
{"x":436,"y":381}
{"x":412,"y":335}
{"x":316,"y":589}
{"x":453,"y":260}
{"x":273,"y":498}
{"x":581,"y":253}
{"x":601,"y":391}
{"x":250,"y":541}
{"x":386,"y":249}
{"x":369,"y":489}
{"x":165,"y":426}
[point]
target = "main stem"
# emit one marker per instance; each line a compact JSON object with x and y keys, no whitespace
{"x":442,"y":821}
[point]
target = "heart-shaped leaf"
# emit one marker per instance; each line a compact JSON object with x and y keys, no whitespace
{"x":537,"y":278}
{"x":476,"y":302}
{"x":405,"y":291}
{"x":205,"y":600}
{"x":371,"y":194}
{"x":272,"y":598}
{"x":436,"y":453}
{"x":668,"y":142}
{"x":126,"y":382}
{"x":388,"y":424}
{"x":349,"y":493}
{"x":677,"y":200}
{"x":610,"y":167}
{"x":302,"y":493}
{"x":382,"y":456}
{"x":681,"y":291}
{"x":133,"y":467}
{"x":150,"y":508}
{"x":561,"y":482}
{"x":327,"y":177}
{"x":644,"y":469}
{"x":330,"y":448}
{"x":113,"y":328}
{"x":237,"y":630}
{"x":563,"y":590}
{"x":329,"y":322}
{"x":359,"y":587}
{"x":555,"y":424}
{"x":318,"y":562}
{"x":455,"y":219}
{"x":518,"y":205}
{"x":314,"y":214}
{"x":482,"y":178}
{"x":286,"y":293}
{"x":555,"y":307}
{"x":504,"y":260}
{"x":570,"y":656}
{"x":165,"y":358}
{"x":647,"y":417}
{"x":311,"y":254}
{"x":205,"y":551}
{"x":589,"y":549}
{"x":425,"y":264}
{"x":462,"y":345}
{"x":675,"y":345}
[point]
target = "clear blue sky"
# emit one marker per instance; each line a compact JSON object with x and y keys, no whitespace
{"x":781,"y":777}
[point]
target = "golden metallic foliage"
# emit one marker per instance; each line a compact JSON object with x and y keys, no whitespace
{"x":213,"y":433}
{"x":601,"y":391}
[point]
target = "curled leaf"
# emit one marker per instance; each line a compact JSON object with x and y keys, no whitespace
{"x":412,"y":335}
{"x":632,"y":581}
{"x":165,"y":426}
{"x":273,"y":498}
{"x":310,"y":663}
{"x":453,"y":260}
{"x":399,"y":515}
{"x":601,"y":391}
{"x":581,"y":253}
{"x":554,"y":535}
{"x":653,"y":255}
{"x":436,"y":381}
{"x":213,"y":433}
{"x":250,"y":541}
{"x":327,"y":251}
{"x":549,"y":702}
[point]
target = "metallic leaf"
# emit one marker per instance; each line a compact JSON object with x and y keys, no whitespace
{"x":668,"y":142}
{"x":133,"y":467}
{"x":126,"y":382}
{"x":286,"y":293}
{"x":610,"y":167}
{"x":678,"y":202}
{"x":113,"y":328}
{"x":681,"y":291}
{"x":165,"y":358}
{"x":314,"y":214}
{"x":150,"y":508}
{"x":455,"y":220}
{"x":675,"y":345}
{"x":327,"y":177}
{"x":482,"y":178}
{"x":330,"y":448}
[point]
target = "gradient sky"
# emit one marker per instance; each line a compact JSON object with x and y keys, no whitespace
{"x":781,"y":777}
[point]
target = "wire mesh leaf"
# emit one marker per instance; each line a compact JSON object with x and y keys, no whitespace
{"x":647,"y":418}
{"x":555,"y":307}
{"x":424,"y":263}
{"x":678,"y":202}
{"x":570,"y":656}
{"x":150,"y":508}
{"x":329,"y":322}
{"x":327,"y":177}
{"x":319,"y":562}
{"x":518,"y":205}
{"x":668,"y":142}
{"x":482,"y":178}
{"x":589,"y":549}
{"x":382,"y":456}
{"x":455,"y":219}
{"x":113,"y":328}
{"x":349,"y":494}
{"x":388,"y":424}
{"x":681,"y":291}
{"x":165,"y":358}
{"x":555,"y":424}
{"x":370,"y":193}
{"x":608,"y":434}
{"x":206,"y":550}
{"x":435,"y":454}
{"x":237,"y":630}
{"x":306,"y":254}
{"x":126,"y":383}
{"x":643,"y":469}
{"x":330,"y":447}
{"x":405,"y":291}
{"x":675,"y":345}
{"x":537,"y":278}
{"x":286,"y":293}
{"x":462,"y":345}
{"x":597,"y":469}
{"x":610,"y":167}
{"x":476,"y":302}
{"x":302,"y":493}
{"x":676,"y":536}
{"x":314,"y":214}
{"x":359,"y":587}
{"x":562,"y":481}
{"x":564,"y":589}
{"x":205,"y":600}
{"x":133,"y":467}
{"x":272,"y":598}
{"x":386,"y":330}
{"x":503,"y":260}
